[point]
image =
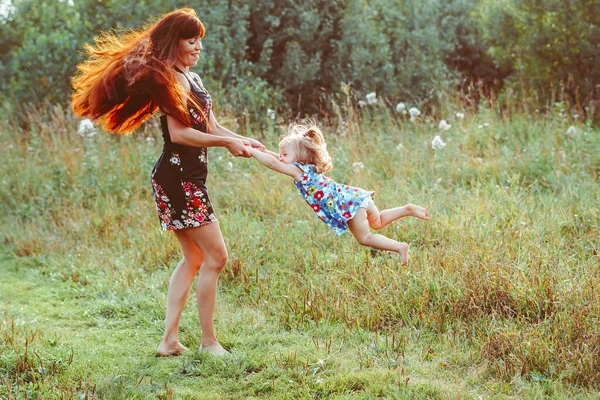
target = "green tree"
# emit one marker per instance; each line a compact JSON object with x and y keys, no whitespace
{"x":545,"y":42}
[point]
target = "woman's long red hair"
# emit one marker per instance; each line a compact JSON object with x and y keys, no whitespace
{"x":126,"y":79}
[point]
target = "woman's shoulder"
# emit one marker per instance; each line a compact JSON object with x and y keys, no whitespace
{"x":182,"y":80}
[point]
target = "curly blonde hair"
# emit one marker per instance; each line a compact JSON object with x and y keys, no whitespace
{"x":307,"y":141}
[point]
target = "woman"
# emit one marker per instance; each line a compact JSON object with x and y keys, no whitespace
{"x":121,"y":84}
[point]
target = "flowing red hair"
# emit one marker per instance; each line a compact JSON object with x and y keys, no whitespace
{"x":127,"y":78}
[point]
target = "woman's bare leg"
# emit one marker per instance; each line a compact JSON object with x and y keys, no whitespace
{"x":210,"y":242}
{"x":179,"y":286}
{"x":378,"y":220}
{"x":359,"y":226}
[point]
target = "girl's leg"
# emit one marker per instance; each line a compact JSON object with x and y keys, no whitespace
{"x":179,"y":286}
{"x":359,"y":226}
{"x":210,"y":242}
{"x":378,"y":220}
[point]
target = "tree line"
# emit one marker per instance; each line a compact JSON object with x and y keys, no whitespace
{"x":260,"y":54}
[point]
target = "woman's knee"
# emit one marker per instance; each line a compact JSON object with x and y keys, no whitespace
{"x":193,"y":262}
{"x":217,"y":260}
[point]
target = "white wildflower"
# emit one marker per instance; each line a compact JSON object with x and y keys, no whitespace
{"x":480,"y":126}
{"x":572,"y":130}
{"x":400,"y":147}
{"x":371,"y":98}
{"x":486,"y":124}
{"x":437,"y":143}
{"x":229,"y":165}
{"x":444,"y":126}
{"x":271,"y":114}
{"x":357,"y":166}
{"x":86,"y":128}
{"x":460,"y":115}
{"x":479,"y":160}
{"x":362,"y":103}
{"x":401,"y":107}
{"x":414,"y":112}
{"x":575,"y":116}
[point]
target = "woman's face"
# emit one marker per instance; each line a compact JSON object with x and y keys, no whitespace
{"x":188,"y":51}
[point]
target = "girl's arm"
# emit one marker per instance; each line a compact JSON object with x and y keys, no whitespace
{"x":271,"y":161}
{"x":218,"y":130}
{"x":271,"y":153}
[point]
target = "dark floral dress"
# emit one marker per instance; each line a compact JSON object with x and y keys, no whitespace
{"x":179,"y":175}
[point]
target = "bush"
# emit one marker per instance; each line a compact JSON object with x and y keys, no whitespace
{"x":545,"y":43}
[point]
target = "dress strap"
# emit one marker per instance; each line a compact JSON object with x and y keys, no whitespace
{"x":191,"y":80}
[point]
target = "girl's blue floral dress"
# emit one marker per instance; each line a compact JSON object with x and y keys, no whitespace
{"x":334,"y":203}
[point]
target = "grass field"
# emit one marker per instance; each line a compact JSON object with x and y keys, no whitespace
{"x":500,"y":300}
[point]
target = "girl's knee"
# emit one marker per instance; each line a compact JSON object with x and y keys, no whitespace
{"x":363,"y":238}
{"x":376,"y":224}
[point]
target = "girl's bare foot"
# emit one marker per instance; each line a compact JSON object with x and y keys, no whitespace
{"x":416,"y":211}
{"x":214,"y":350}
{"x":403,"y":251}
{"x":172,"y":349}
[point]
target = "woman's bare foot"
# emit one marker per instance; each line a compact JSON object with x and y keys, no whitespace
{"x":403,"y":251}
{"x":172,"y":349}
{"x":214,"y":350}
{"x":416,"y":211}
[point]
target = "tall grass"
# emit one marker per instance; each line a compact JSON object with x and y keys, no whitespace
{"x":505,"y":276}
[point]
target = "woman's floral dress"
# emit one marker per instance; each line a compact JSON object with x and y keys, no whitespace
{"x":179,"y":175}
{"x":334,"y":203}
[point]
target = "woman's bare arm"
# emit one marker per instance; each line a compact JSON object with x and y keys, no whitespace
{"x":183,"y":134}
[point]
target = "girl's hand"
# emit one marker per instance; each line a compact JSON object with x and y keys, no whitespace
{"x":256,"y":144}
{"x":238,"y":148}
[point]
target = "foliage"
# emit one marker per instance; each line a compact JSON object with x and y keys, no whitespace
{"x":500,"y":297}
{"x":295,"y":56}
{"x":545,"y":43}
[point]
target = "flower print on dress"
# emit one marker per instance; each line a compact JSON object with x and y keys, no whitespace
{"x":198,"y":116}
{"x":202,"y":156}
{"x":175,"y":159}
{"x":330,"y":203}
{"x":197,"y":208}
{"x":335,"y":204}
{"x":163,"y":205}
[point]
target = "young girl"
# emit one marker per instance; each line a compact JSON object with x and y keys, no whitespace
{"x":303,"y":156}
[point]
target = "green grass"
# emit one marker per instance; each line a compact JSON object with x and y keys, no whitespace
{"x":500,"y":299}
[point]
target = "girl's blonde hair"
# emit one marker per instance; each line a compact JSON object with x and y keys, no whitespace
{"x":307,"y":141}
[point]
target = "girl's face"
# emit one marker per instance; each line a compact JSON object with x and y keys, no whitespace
{"x":188,"y":51}
{"x":287,"y":155}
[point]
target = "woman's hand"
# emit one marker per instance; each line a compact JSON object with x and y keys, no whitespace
{"x":239,"y":147}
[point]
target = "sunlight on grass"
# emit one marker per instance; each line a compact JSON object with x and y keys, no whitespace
{"x":500,"y":298}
